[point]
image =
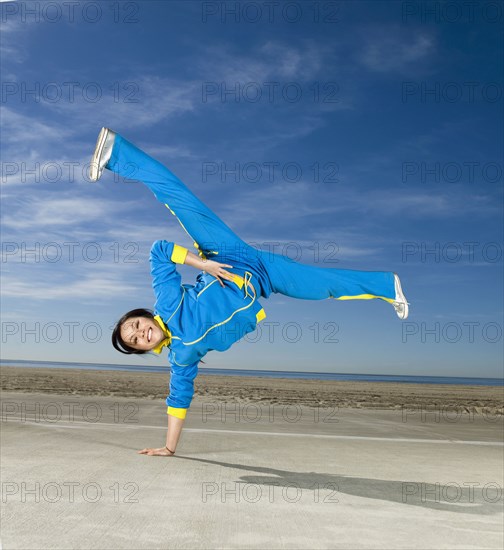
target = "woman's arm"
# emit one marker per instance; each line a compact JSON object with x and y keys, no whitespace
{"x":175,"y":426}
{"x":177,"y":402}
{"x":213,"y":268}
{"x":175,"y":423}
{"x":166,"y":280}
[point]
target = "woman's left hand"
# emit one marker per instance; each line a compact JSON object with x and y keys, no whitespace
{"x":156,"y":452}
{"x":217,"y":270}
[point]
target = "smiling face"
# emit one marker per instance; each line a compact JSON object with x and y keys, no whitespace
{"x":142,"y":333}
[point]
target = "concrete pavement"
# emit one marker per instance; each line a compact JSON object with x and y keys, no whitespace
{"x":247,"y":476}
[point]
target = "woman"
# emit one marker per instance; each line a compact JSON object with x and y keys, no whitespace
{"x":191,"y":320}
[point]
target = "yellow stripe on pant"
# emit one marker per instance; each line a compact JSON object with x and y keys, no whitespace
{"x":364,"y":297}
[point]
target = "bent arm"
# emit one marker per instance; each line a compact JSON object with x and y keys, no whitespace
{"x":165,"y":256}
{"x":213,"y":268}
{"x":166,"y":281}
{"x":195,"y":261}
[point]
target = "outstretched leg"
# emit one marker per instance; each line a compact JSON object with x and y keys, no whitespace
{"x":210,"y":234}
{"x":308,"y":282}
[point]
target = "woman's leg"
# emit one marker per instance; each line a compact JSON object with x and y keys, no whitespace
{"x":210,"y":234}
{"x":308,"y":282}
{"x":213,"y":238}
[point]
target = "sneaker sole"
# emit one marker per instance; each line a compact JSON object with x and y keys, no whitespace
{"x":401,"y":296}
{"x":94,"y":169}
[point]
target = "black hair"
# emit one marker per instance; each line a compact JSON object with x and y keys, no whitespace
{"x":117,"y":341}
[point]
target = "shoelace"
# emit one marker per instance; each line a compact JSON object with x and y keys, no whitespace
{"x":246,"y":282}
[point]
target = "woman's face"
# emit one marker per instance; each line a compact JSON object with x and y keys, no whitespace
{"x":142,"y":333}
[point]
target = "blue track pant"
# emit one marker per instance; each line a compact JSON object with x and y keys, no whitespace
{"x":215,"y":240}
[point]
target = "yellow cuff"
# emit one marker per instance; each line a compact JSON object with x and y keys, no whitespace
{"x":179,"y":413}
{"x":179,"y":254}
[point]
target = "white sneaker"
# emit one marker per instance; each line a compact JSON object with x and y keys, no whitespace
{"x":102,"y":153}
{"x":400,"y":304}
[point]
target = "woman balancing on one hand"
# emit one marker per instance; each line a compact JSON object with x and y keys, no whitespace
{"x":223,"y":305}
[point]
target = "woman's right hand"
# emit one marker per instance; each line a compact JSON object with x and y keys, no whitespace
{"x":217,"y":270}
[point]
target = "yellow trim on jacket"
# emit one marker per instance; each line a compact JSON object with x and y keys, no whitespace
{"x":260,"y":315}
{"x":166,"y":342}
{"x":237,"y":280}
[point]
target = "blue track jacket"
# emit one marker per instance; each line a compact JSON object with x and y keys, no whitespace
{"x":200,"y":318}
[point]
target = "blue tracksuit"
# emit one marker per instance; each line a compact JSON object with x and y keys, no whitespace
{"x":205,"y":316}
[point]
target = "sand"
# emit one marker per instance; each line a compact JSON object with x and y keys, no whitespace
{"x":247,"y":389}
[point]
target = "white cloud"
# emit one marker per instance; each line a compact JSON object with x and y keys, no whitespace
{"x":144,"y":101}
{"x":293,"y":63}
{"x":288,"y":207}
{"x":393,"y":50}
{"x":24,"y":130}
{"x":89,"y":287}
{"x":271,"y":61}
{"x":12,"y":44}
{"x":155,"y":99}
{"x":48,"y":211}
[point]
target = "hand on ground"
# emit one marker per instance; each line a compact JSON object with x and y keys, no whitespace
{"x":156,"y":452}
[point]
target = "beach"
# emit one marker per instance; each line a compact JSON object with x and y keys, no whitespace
{"x":261,"y":390}
{"x":262,"y":462}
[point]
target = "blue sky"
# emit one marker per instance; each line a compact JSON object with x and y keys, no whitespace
{"x":372,"y":135}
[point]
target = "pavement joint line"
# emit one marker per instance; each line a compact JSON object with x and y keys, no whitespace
{"x":79,"y":424}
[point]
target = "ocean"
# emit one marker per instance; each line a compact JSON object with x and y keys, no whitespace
{"x":269,"y":373}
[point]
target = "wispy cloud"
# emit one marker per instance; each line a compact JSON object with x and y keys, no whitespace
{"x":295,"y":203}
{"x":145,"y":100}
{"x":12,"y":45}
{"x":273,"y":59}
{"x":89,"y":287}
{"x":300,"y":63}
{"x":49,"y":211}
{"x":25,"y":130}
{"x":395,"y":50}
